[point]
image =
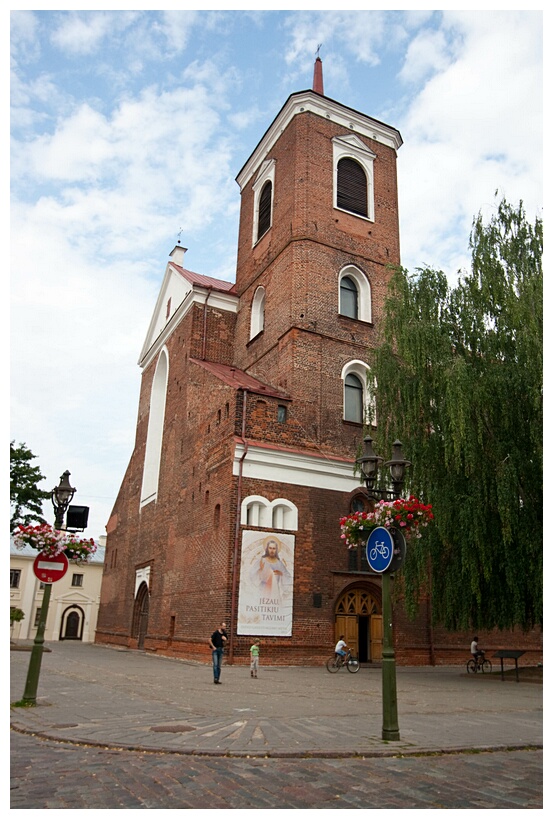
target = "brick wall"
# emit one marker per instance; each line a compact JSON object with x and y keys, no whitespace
{"x":190,"y":536}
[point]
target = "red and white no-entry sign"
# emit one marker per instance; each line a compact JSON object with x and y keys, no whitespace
{"x":50,"y":568}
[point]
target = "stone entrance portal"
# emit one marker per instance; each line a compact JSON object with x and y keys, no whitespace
{"x":358,"y":616}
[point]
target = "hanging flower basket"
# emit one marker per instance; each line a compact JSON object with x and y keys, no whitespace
{"x":408,"y":515}
{"x":47,"y":540}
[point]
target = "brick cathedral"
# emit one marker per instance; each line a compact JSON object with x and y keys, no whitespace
{"x":252,"y":410}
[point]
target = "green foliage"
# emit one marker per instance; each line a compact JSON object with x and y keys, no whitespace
{"x":459,"y":376}
{"x":25,"y":496}
{"x":16,"y":615}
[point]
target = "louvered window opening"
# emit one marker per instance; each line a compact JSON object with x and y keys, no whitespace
{"x":348,"y":298}
{"x":264,"y":217}
{"x":352,"y":187}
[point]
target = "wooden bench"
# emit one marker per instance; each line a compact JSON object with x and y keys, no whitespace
{"x":509,"y":654}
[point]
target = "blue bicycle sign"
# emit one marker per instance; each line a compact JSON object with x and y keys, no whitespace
{"x":380,"y":549}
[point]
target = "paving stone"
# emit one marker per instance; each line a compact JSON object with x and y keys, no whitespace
{"x":305,"y":739}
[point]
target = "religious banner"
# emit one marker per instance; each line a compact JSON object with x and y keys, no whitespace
{"x":265,"y":596}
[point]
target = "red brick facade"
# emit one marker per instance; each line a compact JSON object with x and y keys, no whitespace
{"x":263,"y":417}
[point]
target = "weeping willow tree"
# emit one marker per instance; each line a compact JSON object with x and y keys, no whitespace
{"x":459,"y":382}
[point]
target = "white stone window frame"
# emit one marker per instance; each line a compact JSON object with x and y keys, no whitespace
{"x":156,"y":422}
{"x":363,"y":372}
{"x":350,"y":146}
{"x":257,"y":317}
{"x":266,"y":174}
{"x":364,"y":294}
{"x":278,"y":514}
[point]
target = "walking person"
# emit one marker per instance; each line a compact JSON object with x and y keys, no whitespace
{"x":217,"y":644}
{"x":254,"y":659}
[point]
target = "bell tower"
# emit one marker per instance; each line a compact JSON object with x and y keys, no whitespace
{"x":318,"y":236}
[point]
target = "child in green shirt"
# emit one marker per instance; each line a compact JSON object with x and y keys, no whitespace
{"x":254,"y":659}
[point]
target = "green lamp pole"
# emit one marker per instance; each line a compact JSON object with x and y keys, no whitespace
{"x":370,"y":463}
{"x":62,"y":496}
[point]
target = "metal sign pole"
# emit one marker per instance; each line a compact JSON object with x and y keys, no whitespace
{"x":31,"y":686}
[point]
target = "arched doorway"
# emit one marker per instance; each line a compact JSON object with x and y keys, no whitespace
{"x":72,"y":622}
{"x":140,"y":614}
{"x":358,"y":616}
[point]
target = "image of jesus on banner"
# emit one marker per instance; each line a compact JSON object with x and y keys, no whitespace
{"x":266,"y":584}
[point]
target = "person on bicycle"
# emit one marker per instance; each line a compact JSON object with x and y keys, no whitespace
{"x":341,"y":647}
{"x":475,"y":651}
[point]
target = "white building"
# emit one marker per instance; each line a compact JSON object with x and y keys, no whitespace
{"x":74,"y":600}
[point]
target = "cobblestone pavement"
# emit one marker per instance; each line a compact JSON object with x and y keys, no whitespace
{"x":97,"y":695}
{"x":50,"y":775}
{"x":125,"y":729}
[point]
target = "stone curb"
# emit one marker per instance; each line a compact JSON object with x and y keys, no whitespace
{"x":315,"y":754}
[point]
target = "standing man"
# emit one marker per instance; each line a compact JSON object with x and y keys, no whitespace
{"x":217,"y":643}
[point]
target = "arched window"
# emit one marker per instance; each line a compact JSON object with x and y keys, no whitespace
{"x":353,"y":399}
{"x":278,"y":514}
{"x":348,"y":298}
{"x":152,"y":458}
{"x":359,"y":407}
{"x":263,"y":188}
{"x":257,"y":319}
{"x":264,"y":216}
{"x":285,"y":515}
{"x":255,"y":511}
{"x":352,"y":189}
{"x":359,"y":504}
{"x":354,"y":294}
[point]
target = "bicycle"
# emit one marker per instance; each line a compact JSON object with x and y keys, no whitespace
{"x":336,"y":662}
{"x":379,"y":549}
{"x":480,"y":664}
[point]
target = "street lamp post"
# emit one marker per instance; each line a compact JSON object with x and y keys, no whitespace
{"x":370,"y":463}
{"x":61,"y":496}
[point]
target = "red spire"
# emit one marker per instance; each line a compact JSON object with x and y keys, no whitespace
{"x":318,"y":76}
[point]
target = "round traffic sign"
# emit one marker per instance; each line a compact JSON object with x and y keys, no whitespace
{"x":400,"y":549}
{"x":380,"y":549}
{"x":49,"y":568}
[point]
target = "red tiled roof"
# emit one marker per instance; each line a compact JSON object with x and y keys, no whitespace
{"x":240,"y":380}
{"x":203,"y":281}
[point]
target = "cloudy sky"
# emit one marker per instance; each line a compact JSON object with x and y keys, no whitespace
{"x":128,"y":127}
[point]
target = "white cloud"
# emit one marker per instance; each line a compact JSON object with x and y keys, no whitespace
{"x":426,"y":54}
{"x":359,"y":32}
{"x":475,"y":127}
{"x":124,"y":175}
{"x":24,"y":43}
{"x":177,"y":28}
{"x":86,"y":264}
{"x":85,"y":32}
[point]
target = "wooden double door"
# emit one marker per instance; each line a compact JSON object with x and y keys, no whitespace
{"x":358,"y":616}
